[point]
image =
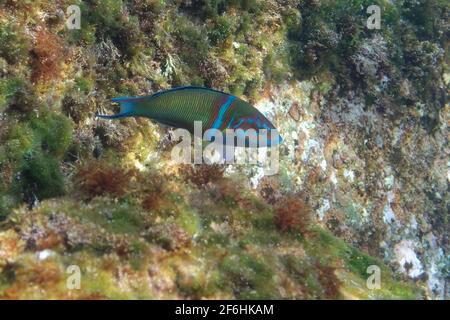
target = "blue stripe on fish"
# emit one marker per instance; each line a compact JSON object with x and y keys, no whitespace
{"x":238,"y":124}
{"x":129,"y":99}
{"x":223,"y":108}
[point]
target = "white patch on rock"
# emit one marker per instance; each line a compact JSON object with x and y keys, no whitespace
{"x":311,"y":146}
{"x":333,"y":178}
{"x":45,"y":254}
{"x":413,"y":223}
{"x":388,"y":213}
{"x":256,"y":178}
{"x":405,"y":256}
{"x":437,"y":261}
{"x":323,"y":165}
{"x":365,"y":214}
{"x":448,"y":171}
{"x":349,"y":175}
{"x":389,"y":182}
{"x":323,"y":209}
{"x":379,"y":141}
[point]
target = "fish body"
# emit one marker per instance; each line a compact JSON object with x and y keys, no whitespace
{"x":181,"y":107}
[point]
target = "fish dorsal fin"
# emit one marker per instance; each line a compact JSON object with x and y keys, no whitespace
{"x":129,"y":99}
{"x":157,"y":94}
{"x":187,"y":88}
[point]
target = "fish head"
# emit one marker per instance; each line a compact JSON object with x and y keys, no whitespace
{"x":257,"y":131}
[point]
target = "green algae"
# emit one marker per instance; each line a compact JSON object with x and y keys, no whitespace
{"x":36,"y":147}
{"x":247,"y":270}
{"x":8,"y":88}
{"x":39,"y":176}
{"x":251,"y":276}
{"x":14,"y":44}
{"x":357,"y":263}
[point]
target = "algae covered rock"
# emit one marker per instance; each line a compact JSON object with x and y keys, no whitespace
{"x":362,"y":185}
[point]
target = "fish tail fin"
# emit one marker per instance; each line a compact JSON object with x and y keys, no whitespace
{"x":126,"y":108}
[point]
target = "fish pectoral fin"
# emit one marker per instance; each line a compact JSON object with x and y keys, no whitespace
{"x":114,"y":116}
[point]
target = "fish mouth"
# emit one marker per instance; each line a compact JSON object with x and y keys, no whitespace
{"x":114,"y":116}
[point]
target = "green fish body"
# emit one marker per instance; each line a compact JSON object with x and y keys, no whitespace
{"x":181,"y":107}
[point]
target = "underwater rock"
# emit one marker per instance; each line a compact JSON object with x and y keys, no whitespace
{"x":363,"y":168}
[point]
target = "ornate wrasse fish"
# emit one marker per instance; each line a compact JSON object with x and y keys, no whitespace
{"x":181,"y":107}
